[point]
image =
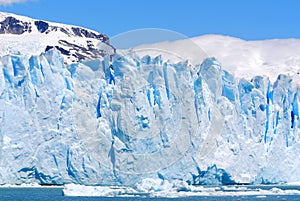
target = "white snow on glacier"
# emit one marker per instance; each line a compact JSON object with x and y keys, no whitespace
{"x":243,"y":59}
{"x":93,"y":123}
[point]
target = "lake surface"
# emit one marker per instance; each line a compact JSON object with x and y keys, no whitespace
{"x":36,"y":194}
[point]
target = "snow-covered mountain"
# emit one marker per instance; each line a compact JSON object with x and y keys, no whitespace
{"x":26,"y":36}
{"x":121,"y":119}
{"x":244,"y":59}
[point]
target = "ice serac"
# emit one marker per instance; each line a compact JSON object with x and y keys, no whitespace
{"x":97,"y":123}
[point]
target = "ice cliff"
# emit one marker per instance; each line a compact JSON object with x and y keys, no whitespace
{"x":100,"y":123}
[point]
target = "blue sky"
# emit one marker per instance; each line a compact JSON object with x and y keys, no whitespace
{"x":246,"y":19}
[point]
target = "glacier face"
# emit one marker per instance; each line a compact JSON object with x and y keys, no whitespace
{"x":97,"y":123}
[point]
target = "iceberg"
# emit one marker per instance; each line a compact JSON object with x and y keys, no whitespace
{"x":119,"y":121}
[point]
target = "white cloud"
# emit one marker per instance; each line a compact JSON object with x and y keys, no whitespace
{"x":9,"y":2}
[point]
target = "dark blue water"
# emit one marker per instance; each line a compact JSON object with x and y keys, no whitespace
{"x":36,"y":194}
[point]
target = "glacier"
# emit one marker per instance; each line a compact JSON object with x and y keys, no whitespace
{"x":103,"y":122}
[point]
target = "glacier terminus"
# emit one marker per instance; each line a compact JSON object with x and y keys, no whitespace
{"x":89,"y":123}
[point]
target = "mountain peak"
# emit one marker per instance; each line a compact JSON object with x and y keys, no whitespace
{"x":75,"y":43}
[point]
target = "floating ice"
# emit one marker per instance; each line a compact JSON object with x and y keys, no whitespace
{"x":162,"y":188}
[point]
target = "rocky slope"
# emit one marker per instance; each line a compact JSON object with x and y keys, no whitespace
{"x":23,"y":35}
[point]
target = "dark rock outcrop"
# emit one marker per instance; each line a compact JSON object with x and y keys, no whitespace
{"x":41,"y":26}
{"x":12,"y":25}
